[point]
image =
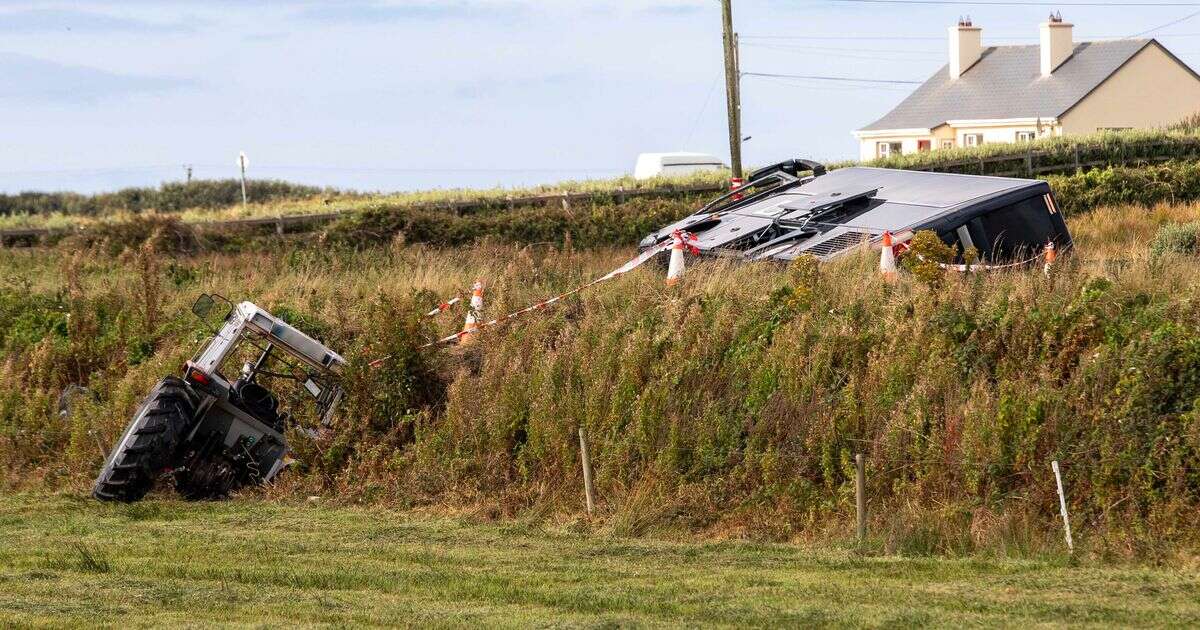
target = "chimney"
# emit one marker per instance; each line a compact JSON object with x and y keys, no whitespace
{"x":966,"y":45}
{"x":1057,"y":43}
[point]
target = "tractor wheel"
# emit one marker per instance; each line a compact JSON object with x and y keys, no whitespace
{"x":148,"y":444}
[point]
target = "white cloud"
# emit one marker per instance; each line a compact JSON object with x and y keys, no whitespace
{"x":38,"y":81}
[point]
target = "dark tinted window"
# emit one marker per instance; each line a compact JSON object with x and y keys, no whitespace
{"x":1019,"y":230}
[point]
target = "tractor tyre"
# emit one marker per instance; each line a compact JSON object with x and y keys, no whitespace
{"x":148,"y":444}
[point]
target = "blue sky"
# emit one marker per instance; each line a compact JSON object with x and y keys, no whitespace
{"x":410,"y":95}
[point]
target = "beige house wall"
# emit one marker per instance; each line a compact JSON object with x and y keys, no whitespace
{"x":996,"y":134}
{"x":867,"y":146}
{"x":1151,"y":90}
{"x":992,"y":134}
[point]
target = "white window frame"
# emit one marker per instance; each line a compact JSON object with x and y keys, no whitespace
{"x":884,"y":149}
{"x":972,"y":139}
{"x":1026,"y":136}
{"x":947,"y":143}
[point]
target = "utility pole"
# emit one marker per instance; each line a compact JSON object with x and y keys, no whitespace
{"x":732,"y":97}
{"x":188,"y":169}
{"x":243,"y":162}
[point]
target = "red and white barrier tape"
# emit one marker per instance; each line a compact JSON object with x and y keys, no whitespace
{"x":685,"y":237}
{"x":685,"y":241}
{"x":976,"y":267}
{"x":443,"y":306}
{"x":626,"y":268}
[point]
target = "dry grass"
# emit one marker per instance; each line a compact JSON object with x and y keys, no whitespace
{"x":730,"y":406}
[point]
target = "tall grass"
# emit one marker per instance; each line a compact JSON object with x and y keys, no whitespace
{"x":731,"y":405}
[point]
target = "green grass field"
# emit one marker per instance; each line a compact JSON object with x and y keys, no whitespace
{"x":69,"y":561}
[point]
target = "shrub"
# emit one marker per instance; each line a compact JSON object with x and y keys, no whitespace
{"x":1177,"y":238}
{"x":596,"y":223}
{"x":168,"y":197}
{"x":1109,"y":148}
{"x":1114,"y":186}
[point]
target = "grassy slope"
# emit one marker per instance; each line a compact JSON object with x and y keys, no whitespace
{"x":66,"y":561}
{"x":712,"y":407}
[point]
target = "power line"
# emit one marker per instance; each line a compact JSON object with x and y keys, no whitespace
{"x":923,"y":51}
{"x":846,"y":37}
{"x":1025,"y":3}
{"x":863,"y":38}
{"x":1171,"y":23}
{"x":825,"y":86}
{"x":838,"y":55}
{"x":703,"y":108}
{"x":828,"y":78}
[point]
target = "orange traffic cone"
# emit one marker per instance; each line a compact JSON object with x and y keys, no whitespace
{"x":1051,"y":253}
{"x":471,"y":325}
{"x":675,"y":267}
{"x":887,"y":258}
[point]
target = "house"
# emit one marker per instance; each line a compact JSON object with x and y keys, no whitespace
{"x":1018,"y":93}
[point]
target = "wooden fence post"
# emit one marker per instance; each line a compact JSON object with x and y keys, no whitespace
{"x":1062,"y":506}
{"x":860,"y":496}
{"x":589,"y":492}
{"x":566,"y":202}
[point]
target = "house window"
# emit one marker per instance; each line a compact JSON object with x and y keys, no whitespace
{"x":924,"y":145}
{"x":948,"y":144}
{"x":885,"y":149}
{"x":1025,"y":136}
{"x":972,"y":139}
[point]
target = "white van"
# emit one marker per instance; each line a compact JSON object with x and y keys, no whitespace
{"x":674,"y":164}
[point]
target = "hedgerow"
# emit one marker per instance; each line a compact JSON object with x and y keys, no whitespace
{"x":1112,"y":148}
{"x":168,"y":197}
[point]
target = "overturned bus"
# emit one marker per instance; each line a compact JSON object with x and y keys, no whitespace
{"x":796,"y":208}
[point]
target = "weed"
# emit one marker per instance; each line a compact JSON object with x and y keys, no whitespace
{"x":88,"y":561}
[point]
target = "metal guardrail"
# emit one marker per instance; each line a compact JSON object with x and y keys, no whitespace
{"x":282,"y":223}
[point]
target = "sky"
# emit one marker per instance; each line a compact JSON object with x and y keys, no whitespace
{"x":409,"y":95}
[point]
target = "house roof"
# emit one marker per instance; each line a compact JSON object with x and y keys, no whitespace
{"x":1007,"y":82}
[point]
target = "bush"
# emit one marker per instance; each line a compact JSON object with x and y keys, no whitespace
{"x":596,"y":223}
{"x":1110,"y":148}
{"x":1169,"y":182}
{"x":169,"y":197}
{"x":1177,"y":238}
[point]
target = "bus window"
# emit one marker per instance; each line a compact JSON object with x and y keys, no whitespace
{"x":1018,"y":230}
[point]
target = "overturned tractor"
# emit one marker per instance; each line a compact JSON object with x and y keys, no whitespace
{"x":212,"y":434}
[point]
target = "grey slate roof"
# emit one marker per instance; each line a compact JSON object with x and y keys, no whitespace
{"x":1007,"y":82}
